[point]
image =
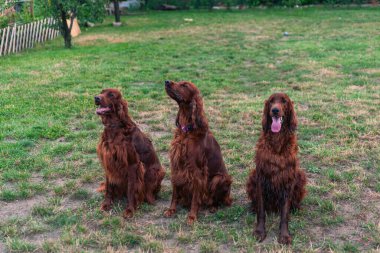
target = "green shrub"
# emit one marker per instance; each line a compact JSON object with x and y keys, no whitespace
{"x":4,"y":20}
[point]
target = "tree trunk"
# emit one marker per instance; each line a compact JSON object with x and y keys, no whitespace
{"x":197,"y":4}
{"x":145,"y":5}
{"x":117,"y":11}
{"x":32,"y":8}
{"x":66,"y":31}
{"x":210,"y":4}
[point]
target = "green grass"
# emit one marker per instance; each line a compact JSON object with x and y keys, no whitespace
{"x":329,"y":65}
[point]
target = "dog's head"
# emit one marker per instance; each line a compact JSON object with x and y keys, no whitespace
{"x":279,"y":114}
{"x":190,"y":103}
{"x":111,"y":104}
{"x":182,"y":92}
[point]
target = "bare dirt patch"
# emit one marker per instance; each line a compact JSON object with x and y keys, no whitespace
{"x":329,"y":73}
{"x":252,"y":31}
{"x":371,"y":71}
{"x":91,"y":39}
{"x":65,"y":94}
{"x":40,"y":239}
{"x":136,"y":36}
{"x":20,"y":208}
{"x":35,"y":73}
{"x":155,"y":134}
{"x":36,"y":178}
{"x":69,"y":203}
{"x":91,"y":187}
{"x":2,"y":247}
{"x":355,"y":87}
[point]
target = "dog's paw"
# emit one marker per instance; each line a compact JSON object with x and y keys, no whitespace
{"x":191,"y":219}
{"x":128,"y":214}
{"x":105,"y":206}
{"x":169,"y":213}
{"x":228,"y":201}
{"x":150,"y":199}
{"x":102,"y":187}
{"x":285,"y":239}
{"x":259,"y":235}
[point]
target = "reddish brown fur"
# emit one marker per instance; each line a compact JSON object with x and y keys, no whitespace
{"x":130,"y":163}
{"x":277,"y":184}
{"x":199,"y":176}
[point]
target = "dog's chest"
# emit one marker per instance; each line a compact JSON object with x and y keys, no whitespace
{"x":186,"y":152}
{"x":114,"y":158}
{"x":278,"y":173}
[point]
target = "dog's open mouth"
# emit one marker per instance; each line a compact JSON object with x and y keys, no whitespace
{"x":276,"y":124}
{"x":102,"y":110}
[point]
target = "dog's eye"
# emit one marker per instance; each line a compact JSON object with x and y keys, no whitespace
{"x":111,"y":95}
{"x":283,"y":101}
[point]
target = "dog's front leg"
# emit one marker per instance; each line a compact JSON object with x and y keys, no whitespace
{"x":108,"y":196}
{"x":131,"y":192}
{"x":285,"y":237}
{"x":195,"y":202}
{"x":135,"y":189}
{"x":198,"y":188}
{"x":173,"y":205}
{"x":259,"y":231}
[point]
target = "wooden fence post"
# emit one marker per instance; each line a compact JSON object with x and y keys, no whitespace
{"x":24,"y":37}
{"x":19,"y":37}
{"x":33,"y":33}
{"x":29,"y":35}
{"x":19,"y":41}
{"x":37,"y":32}
{"x":51,"y":29}
{"x":2,"y":41}
{"x":6,"y":41}
{"x":41,"y":22}
{"x":14,"y":38}
{"x":46,"y":29}
{"x":11,"y":40}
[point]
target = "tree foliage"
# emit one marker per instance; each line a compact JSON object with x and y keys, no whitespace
{"x":83,"y":10}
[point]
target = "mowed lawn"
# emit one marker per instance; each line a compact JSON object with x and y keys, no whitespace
{"x":329,"y":65}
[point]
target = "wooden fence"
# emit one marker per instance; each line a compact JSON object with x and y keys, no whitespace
{"x":16,"y":38}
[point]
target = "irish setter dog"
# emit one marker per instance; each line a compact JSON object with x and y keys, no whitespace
{"x":277,"y":184}
{"x":198,"y":174}
{"x":130,"y":163}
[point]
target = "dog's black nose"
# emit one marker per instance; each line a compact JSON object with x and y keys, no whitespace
{"x":97,"y":99}
{"x":275,"y":110}
{"x":167,"y":83}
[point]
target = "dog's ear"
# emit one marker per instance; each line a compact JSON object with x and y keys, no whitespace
{"x":177,"y":119}
{"x":198,"y":117}
{"x":265,"y":119}
{"x":122,"y":111}
{"x":293,"y":122}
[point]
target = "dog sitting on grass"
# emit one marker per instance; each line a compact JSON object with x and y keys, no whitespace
{"x":198,"y":174}
{"x":130,"y":163}
{"x":277,"y":184}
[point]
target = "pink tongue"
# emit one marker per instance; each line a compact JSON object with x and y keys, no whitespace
{"x":276,"y":125}
{"x":102,"y":110}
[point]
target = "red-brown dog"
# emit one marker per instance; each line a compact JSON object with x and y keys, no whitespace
{"x":130,"y":163}
{"x":277,"y":184}
{"x":199,"y":176}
